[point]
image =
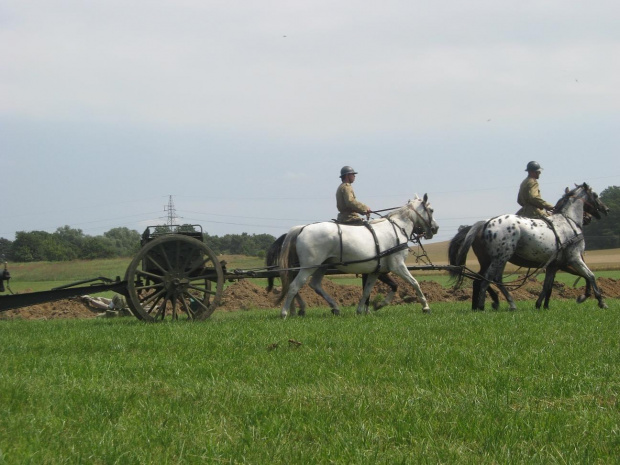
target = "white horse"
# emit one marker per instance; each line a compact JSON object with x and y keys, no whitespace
{"x":555,"y":243}
{"x":355,"y":250}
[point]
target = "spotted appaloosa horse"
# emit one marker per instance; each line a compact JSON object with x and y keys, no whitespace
{"x":555,"y":243}
{"x":353,"y":249}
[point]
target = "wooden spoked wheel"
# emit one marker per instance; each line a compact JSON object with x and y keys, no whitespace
{"x":174,"y":277}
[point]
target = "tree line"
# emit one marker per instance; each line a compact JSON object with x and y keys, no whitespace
{"x":605,"y":233}
{"x":70,"y":244}
{"x":67,"y":243}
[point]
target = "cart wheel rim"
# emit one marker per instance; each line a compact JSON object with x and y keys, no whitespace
{"x":174,"y":277}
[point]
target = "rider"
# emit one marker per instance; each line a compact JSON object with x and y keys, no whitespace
{"x":349,"y":207}
{"x":532,"y":204}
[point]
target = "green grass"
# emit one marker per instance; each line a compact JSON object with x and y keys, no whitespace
{"x":396,"y":386}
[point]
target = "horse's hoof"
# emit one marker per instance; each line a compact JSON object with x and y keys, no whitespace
{"x":603,"y":305}
{"x":495,"y":306}
{"x":426,"y":310}
{"x":335,"y":311}
{"x":581,"y":299}
{"x":283,"y":315}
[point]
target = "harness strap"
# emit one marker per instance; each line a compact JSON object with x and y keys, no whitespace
{"x":397,"y":248}
{"x":577,"y":236}
{"x":386,"y":252}
{"x":374,"y":236}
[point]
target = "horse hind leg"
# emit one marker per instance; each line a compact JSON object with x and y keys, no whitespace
{"x":315,"y":284}
{"x":488,"y":275}
{"x":369,"y":283}
{"x":293,"y":290}
{"x":494,"y":297}
{"x":301,"y":303}
{"x":545,"y":293}
{"x":475,"y":294}
{"x":499,"y":282}
{"x":385,"y":278}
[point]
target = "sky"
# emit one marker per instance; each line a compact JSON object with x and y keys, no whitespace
{"x":242,"y":113}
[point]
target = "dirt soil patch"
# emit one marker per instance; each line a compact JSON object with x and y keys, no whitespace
{"x":245,"y":295}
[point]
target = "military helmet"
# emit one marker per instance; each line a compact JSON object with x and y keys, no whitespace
{"x":533,"y":166}
{"x":347,"y":170}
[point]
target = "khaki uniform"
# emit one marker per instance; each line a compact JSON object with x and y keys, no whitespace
{"x":348,"y":205}
{"x":532,"y":204}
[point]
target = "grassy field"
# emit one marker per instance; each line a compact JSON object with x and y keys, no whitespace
{"x":396,"y":386}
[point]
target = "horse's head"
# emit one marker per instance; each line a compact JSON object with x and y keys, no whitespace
{"x":592,"y":204}
{"x":422,"y":217}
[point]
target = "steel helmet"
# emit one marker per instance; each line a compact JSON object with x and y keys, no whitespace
{"x":347,"y":170}
{"x":533,"y":166}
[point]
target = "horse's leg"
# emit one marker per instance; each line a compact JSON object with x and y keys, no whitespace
{"x":506,"y":294}
{"x":581,"y":269}
{"x":496,"y":268}
{"x":587,"y":293}
{"x":315,"y":284}
{"x":293,"y":290}
{"x":401,"y":270}
{"x":385,"y":278}
{"x":369,"y":283}
{"x":364,"y":281}
{"x":301,"y":303}
{"x":547,"y":287}
{"x":494,"y":297}
{"x":475,"y":294}
{"x":499,"y":282}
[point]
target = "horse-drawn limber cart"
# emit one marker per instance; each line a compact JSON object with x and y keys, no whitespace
{"x":174,"y":275}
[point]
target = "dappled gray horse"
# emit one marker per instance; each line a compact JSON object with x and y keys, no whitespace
{"x":554,"y":243}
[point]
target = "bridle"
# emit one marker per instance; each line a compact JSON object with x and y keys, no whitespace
{"x":416,"y":231}
{"x":584,"y":196}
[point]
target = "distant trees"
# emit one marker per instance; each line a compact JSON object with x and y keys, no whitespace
{"x":67,"y":243}
{"x":254,"y":245}
{"x":605,"y":234}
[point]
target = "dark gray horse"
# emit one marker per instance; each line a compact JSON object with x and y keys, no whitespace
{"x":555,"y":243}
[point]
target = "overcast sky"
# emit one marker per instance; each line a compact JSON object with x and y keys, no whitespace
{"x":244,"y":112}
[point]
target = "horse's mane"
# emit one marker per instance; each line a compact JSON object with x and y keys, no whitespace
{"x":398,"y":212}
{"x":567,"y":195}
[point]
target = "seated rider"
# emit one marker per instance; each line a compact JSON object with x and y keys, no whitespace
{"x":349,"y":207}
{"x":532,"y":204}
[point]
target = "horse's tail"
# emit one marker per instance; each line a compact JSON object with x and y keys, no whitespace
{"x":458,"y":249}
{"x":272,"y":257}
{"x":288,"y":259}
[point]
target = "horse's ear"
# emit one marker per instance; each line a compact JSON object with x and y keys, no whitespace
{"x":566,"y":191}
{"x":425,"y":198}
